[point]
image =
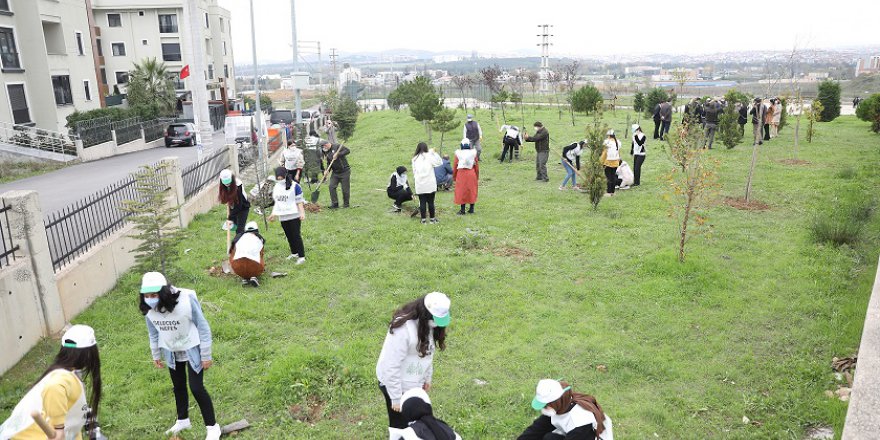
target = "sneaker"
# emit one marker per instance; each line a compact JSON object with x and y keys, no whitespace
{"x":460,"y":213}
{"x":300,"y":260}
{"x":470,"y":211}
{"x":546,"y":180}
{"x":395,"y":208}
{"x":333,"y":206}
{"x":214,"y":432}
{"x":254,"y":282}
{"x":292,"y":256}
{"x":608,"y":195}
{"x":624,"y":187}
{"x":345,"y":205}
{"x":435,"y":220}
{"x":424,"y":221}
{"x":562,"y":188}
{"x":244,"y":282}
{"x":179,"y":425}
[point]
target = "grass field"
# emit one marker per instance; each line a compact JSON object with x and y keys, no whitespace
{"x":546,"y":288}
{"x":16,"y":170}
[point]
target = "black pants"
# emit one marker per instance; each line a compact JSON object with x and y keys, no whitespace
{"x":181,"y":398}
{"x":400,"y":196}
{"x":766,"y":132}
{"x":427,"y":201}
{"x":240,"y":219}
{"x":291,"y":176}
{"x":344,"y":178}
{"x":664,"y":128}
{"x":656,"y":129}
{"x":637,"y":169}
{"x":742,"y":129}
{"x":395,"y":419}
{"x":471,"y":210}
{"x":508,"y":148}
{"x":294,"y":237}
{"x":611,"y":176}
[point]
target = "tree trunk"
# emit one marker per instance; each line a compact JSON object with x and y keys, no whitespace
{"x":571,"y":110}
{"x":503,"y":115}
{"x":751,"y":171}
{"x":797,"y":124}
{"x":442,"y":135}
{"x":684,"y":224}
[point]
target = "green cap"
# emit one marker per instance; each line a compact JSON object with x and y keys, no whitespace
{"x":441,"y":321}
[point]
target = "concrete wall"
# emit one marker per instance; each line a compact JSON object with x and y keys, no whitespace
{"x":863,"y":415}
{"x":20,"y":307}
{"x":108,"y":149}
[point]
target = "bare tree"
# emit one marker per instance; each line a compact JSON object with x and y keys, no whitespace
{"x":461,"y":82}
{"x":569,"y":76}
{"x":554,"y":78}
{"x":534,"y":79}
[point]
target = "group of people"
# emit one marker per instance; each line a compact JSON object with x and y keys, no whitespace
{"x":766,"y":116}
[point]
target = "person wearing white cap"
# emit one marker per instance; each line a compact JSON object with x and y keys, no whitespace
{"x":638,"y":151}
{"x":231,"y":194}
{"x":474,"y":133}
{"x":407,"y":356}
{"x":246,"y":255}
{"x":180,"y":334}
{"x":289,"y":209}
{"x":611,"y":160}
{"x":566,"y":415}
{"x":466,"y":175}
{"x":59,"y":394}
{"x":571,"y":158}
{"x":511,"y":141}
{"x":419,"y":415}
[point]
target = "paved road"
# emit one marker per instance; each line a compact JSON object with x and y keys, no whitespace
{"x":62,"y":187}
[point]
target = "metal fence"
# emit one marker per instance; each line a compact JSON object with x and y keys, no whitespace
{"x":154,"y":129}
{"x":83,"y":224}
{"x":30,"y":137}
{"x":7,"y":246}
{"x":201,"y":174}
{"x":94,"y":131}
{"x":127,"y":130}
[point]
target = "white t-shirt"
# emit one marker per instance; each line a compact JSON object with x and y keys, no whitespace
{"x":248,"y":246}
{"x":286,"y":200}
{"x":466,"y":158}
{"x":293,"y":158}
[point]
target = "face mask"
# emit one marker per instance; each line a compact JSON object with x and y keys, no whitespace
{"x":432,"y":324}
{"x":281,"y":180}
{"x":152,"y":302}
{"x":547,"y":411}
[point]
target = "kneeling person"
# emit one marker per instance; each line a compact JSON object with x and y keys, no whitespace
{"x":566,"y":415}
{"x":417,"y":411}
{"x":246,"y":255}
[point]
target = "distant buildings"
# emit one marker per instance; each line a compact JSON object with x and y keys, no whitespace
{"x":872,"y":66}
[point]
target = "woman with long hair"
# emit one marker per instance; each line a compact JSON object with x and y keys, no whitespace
{"x":407,"y":356}
{"x":466,"y":174}
{"x":179,"y":334}
{"x":611,"y":160}
{"x":59,"y":394}
{"x":231,"y":194}
{"x":423,"y":162}
{"x":566,"y":415}
{"x":638,"y":150}
{"x":289,"y":208}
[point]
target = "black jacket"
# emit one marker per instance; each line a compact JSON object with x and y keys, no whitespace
{"x":713,"y":109}
{"x":241,"y":203}
{"x":542,"y":426}
{"x":541,"y":139}
{"x":569,"y":147}
{"x":743,"y":115}
{"x":341,"y":163}
{"x":657,"y":114}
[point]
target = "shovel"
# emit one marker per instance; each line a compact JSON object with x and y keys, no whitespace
{"x":317,"y":192}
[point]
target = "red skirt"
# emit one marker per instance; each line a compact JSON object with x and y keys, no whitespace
{"x":466,"y":184}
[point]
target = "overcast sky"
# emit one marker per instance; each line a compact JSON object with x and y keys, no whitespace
{"x":581,"y":27}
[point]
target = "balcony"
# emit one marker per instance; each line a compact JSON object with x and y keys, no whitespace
{"x":97,"y":31}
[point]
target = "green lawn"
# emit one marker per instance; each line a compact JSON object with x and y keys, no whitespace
{"x":746,"y":327}
{"x":16,"y":170}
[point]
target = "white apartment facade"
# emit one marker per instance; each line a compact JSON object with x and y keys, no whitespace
{"x":47,"y":66}
{"x":133,"y":30}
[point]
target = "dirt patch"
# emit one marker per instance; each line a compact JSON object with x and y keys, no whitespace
{"x":516,"y":253}
{"x":795,"y":162}
{"x":741,"y":204}
{"x":313,"y":207}
{"x":310,"y":412}
{"x":216,"y":270}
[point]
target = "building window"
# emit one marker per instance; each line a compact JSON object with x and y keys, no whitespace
{"x":100,"y":47}
{"x":104,"y":76}
{"x":121,"y":77}
{"x":207,"y":22}
{"x":171,"y":52}
{"x":61,"y":87}
{"x":8,"y":50}
{"x":18,"y":101}
{"x":88,"y":89}
{"x":210,"y":71}
{"x":144,"y":42}
{"x":114,"y":20}
{"x":175,"y":78}
{"x":224,"y":49}
{"x":167,"y":23}
{"x":226,"y":70}
{"x":222,"y":26}
{"x":79,"y":43}
{"x":118,"y":49}
{"x":4,"y":5}
{"x":140,"y":13}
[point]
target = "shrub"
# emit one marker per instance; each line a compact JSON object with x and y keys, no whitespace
{"x":639,"y":102}
{"x":655,"y":96}
{"x":869,"y":110}
{"x":586,"y":99}
{"x":728,"y":128}
{"x":829,"y":96}
{"x":846,"y":173}
{"x":842,"y":226}
{"x":114,"y":113}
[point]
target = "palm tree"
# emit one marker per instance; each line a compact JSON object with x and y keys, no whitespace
{"x":150,"y":88}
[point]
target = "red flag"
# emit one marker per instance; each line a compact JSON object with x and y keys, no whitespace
{"x":184,"y":73}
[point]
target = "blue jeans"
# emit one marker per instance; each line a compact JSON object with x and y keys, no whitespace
{"x":569,"y":174}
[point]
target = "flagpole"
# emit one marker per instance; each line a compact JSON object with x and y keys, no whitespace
{"x":258,"y":111}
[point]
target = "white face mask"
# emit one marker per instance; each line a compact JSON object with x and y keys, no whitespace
{"x":432,"y":324}
{"x":547,"y":411}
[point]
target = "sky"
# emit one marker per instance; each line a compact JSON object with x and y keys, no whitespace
{"x":581,"y":27}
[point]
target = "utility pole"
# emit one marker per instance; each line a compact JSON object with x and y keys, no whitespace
{"x":333,"y":56}
{"x":313,"y":48}
{"x":197,"y":82}
{"x":545,"y":44}
{"x":258,"y":112}
{"x":297,"y":96}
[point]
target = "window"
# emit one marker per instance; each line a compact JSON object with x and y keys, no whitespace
{"x":175,"y":78}
{"x":8,"y":50}
{"x":224,"y":49}
{"x":207,"y":23}
{"x":61,"y":87}
{"x":114,"y":20}
{"x":88,"y":89}
{"x":104,"y":76}
{"x":121,"y":77}
{"x":140,"y":13}
{"x":79,"y":43}
{"x":100,"y":47}
{"x":144,"y":42}
{"x":210,"y":71}
{"x":167,"y":23}
{"x":171,"y":52}
{"x":222,"y":26}
{"x":226,"y":70}
{"x":118,"y":49}
{"x":18,"y":101}
{"x":4,"y":5}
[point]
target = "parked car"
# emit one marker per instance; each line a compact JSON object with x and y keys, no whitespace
{"x":180,"y":133}
{"x":282,"y":117}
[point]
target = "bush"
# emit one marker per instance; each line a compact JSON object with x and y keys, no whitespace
{"x":846,"y":173}
{"x":829,"y":96}
{"x":728,"y":128}
{"x":842,"y":226}
{"x":586,"y":99}
{"x":639,"y":102}
{"x":869,"y":110}
{"x":655,"y":96}
{"x":114,"y":113}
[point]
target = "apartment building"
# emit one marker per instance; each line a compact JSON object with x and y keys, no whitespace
{"x":47,"y":66}
{"x":132,"y":30}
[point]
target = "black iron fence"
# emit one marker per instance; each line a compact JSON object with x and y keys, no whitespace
{"x":218,"y":116}
{"x":94,"y":131}
{"x":154,"y":129}
{"x":201,"y":174}
{"x":127,"y":130}
{"x":7,"y":246}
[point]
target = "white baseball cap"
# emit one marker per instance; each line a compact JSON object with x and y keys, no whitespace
{"x":610,"y":133}
{"x":548,"y":390}
{"x":415,"y":393}
{"x":438,"y":304}
{"x":470,"y":117}
{"x":153,"y":282}
{"x":226,"y":176}
{"x":79,"y":336}
{"x":251,"y":226}
{"x":465,"y":141}
{"x":635,"y":127}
